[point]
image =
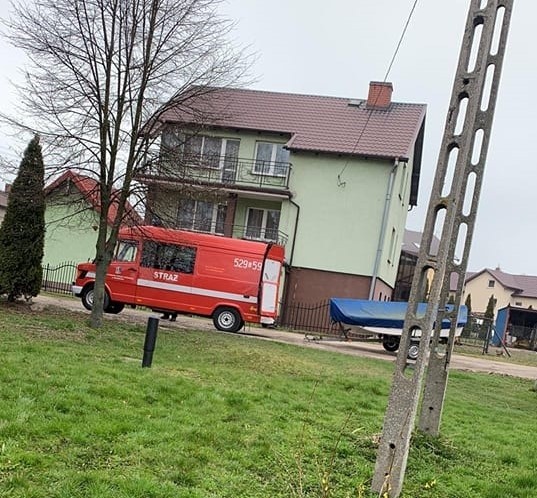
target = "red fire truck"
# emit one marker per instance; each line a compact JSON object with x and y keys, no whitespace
{"x":231,"y":280}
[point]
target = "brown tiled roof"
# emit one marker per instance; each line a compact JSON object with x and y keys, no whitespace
{"x":89,"y":188}
{"x":314,"y":123}
{"x":522,"y":285}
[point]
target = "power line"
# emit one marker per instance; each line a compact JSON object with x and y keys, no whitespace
{"x":399,"y":43}
{"x":401,"y":40}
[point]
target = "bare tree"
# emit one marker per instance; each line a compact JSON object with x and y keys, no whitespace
{"x":102,"y":72}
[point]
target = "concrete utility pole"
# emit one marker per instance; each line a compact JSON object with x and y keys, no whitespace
{"x":452,"y":210}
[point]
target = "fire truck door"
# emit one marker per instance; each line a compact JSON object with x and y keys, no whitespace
{"x":123,"y":273}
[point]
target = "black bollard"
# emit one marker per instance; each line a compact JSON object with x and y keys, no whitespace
{"x":150,"y":340}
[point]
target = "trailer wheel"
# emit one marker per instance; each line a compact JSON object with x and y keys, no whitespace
{"x":390,"y":343}
{"x":413,"y":351}
{"x":227,"y":319}
{"x":88,"y":296}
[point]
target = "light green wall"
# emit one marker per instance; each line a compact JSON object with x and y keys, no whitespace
{"x":397,"y":214}
{"x":339,"y":226}
{"x":340,"y":219}
{"x":69,"y":235}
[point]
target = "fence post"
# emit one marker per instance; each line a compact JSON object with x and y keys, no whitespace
{"x":487,"y":338}
{"x":46,"y":277}
{"x":150,"y":341}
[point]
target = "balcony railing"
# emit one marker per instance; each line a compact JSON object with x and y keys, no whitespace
{"x":221,"y":170}
{"x":231,"y":230}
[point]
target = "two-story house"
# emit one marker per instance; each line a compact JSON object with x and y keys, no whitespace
{"x":507,"y":289}
{"x":330,"y":178}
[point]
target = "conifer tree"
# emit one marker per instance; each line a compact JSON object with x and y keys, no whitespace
{"x":23,"y":230}
{"x":489,"y":312}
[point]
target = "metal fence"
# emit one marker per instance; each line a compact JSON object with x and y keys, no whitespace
{"x":59,"y":278}
{"x":309,"y":318}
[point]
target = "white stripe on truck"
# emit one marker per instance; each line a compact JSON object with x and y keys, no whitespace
{"x":198,"y":291}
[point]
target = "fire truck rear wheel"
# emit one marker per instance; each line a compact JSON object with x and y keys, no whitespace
{"x":114,"y":308}
{"x":89,"y":295}
{"x":227,"y":319}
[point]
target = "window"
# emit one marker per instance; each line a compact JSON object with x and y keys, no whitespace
{"x":491,"y":283}
{"x":211,"y":152}
{"x":202,"y":216}
{"x":518,"y":303}
{"x":126,"y":251}
{"x":214,"y":152}
{"x":262,"y":224}
{"x":271,"y":159}
{"x":168,"y":257}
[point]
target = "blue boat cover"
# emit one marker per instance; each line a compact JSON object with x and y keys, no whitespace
{"x":387,"y":314}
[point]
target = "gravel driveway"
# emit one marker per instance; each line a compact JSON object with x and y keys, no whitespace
{"x":368,"y":349}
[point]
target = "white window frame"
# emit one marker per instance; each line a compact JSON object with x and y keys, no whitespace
{"x":263,"y":229}
{"x":272,"y":164}
{"x":223,"y":148}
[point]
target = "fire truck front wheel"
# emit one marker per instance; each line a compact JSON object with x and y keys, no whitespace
{"x":227,"y":319}
{"x":88,"y":295}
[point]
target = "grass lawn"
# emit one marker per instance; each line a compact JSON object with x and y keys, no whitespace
{"x":228,"y":416}
{"x":518,"y":356}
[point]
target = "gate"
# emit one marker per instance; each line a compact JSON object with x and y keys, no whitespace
{"x":309,"y":317}
{"x":59,"y":278}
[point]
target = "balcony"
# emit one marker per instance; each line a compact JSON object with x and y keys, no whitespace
{"x":223,"y":172}
{"x":234,"y":230}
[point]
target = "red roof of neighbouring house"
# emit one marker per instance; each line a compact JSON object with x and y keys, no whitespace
{"x":522,"y":285}
{"x":313,"y":123}
{"x":89,"y":188}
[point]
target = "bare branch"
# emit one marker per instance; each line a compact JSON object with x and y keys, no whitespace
{"x":102,"y":72}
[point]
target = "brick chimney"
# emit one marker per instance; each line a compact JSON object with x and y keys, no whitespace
{"x":380,"y":95}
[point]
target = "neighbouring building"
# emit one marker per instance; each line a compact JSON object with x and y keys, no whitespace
{"x":330,"y":178}
{"x":515,"y":299}
{"x":508,"y":290}
{"x":407,"y":263}
{"x":72,"y":217}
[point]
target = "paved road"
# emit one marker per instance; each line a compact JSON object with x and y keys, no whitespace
{"x":368,"y":349}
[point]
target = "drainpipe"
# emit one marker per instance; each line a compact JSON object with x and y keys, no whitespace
{"x":383,"y":230}
{"x":288,"y":265}
{"x":295,"y":230}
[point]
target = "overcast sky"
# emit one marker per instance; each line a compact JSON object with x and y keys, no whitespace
{"x":336,"y":48}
